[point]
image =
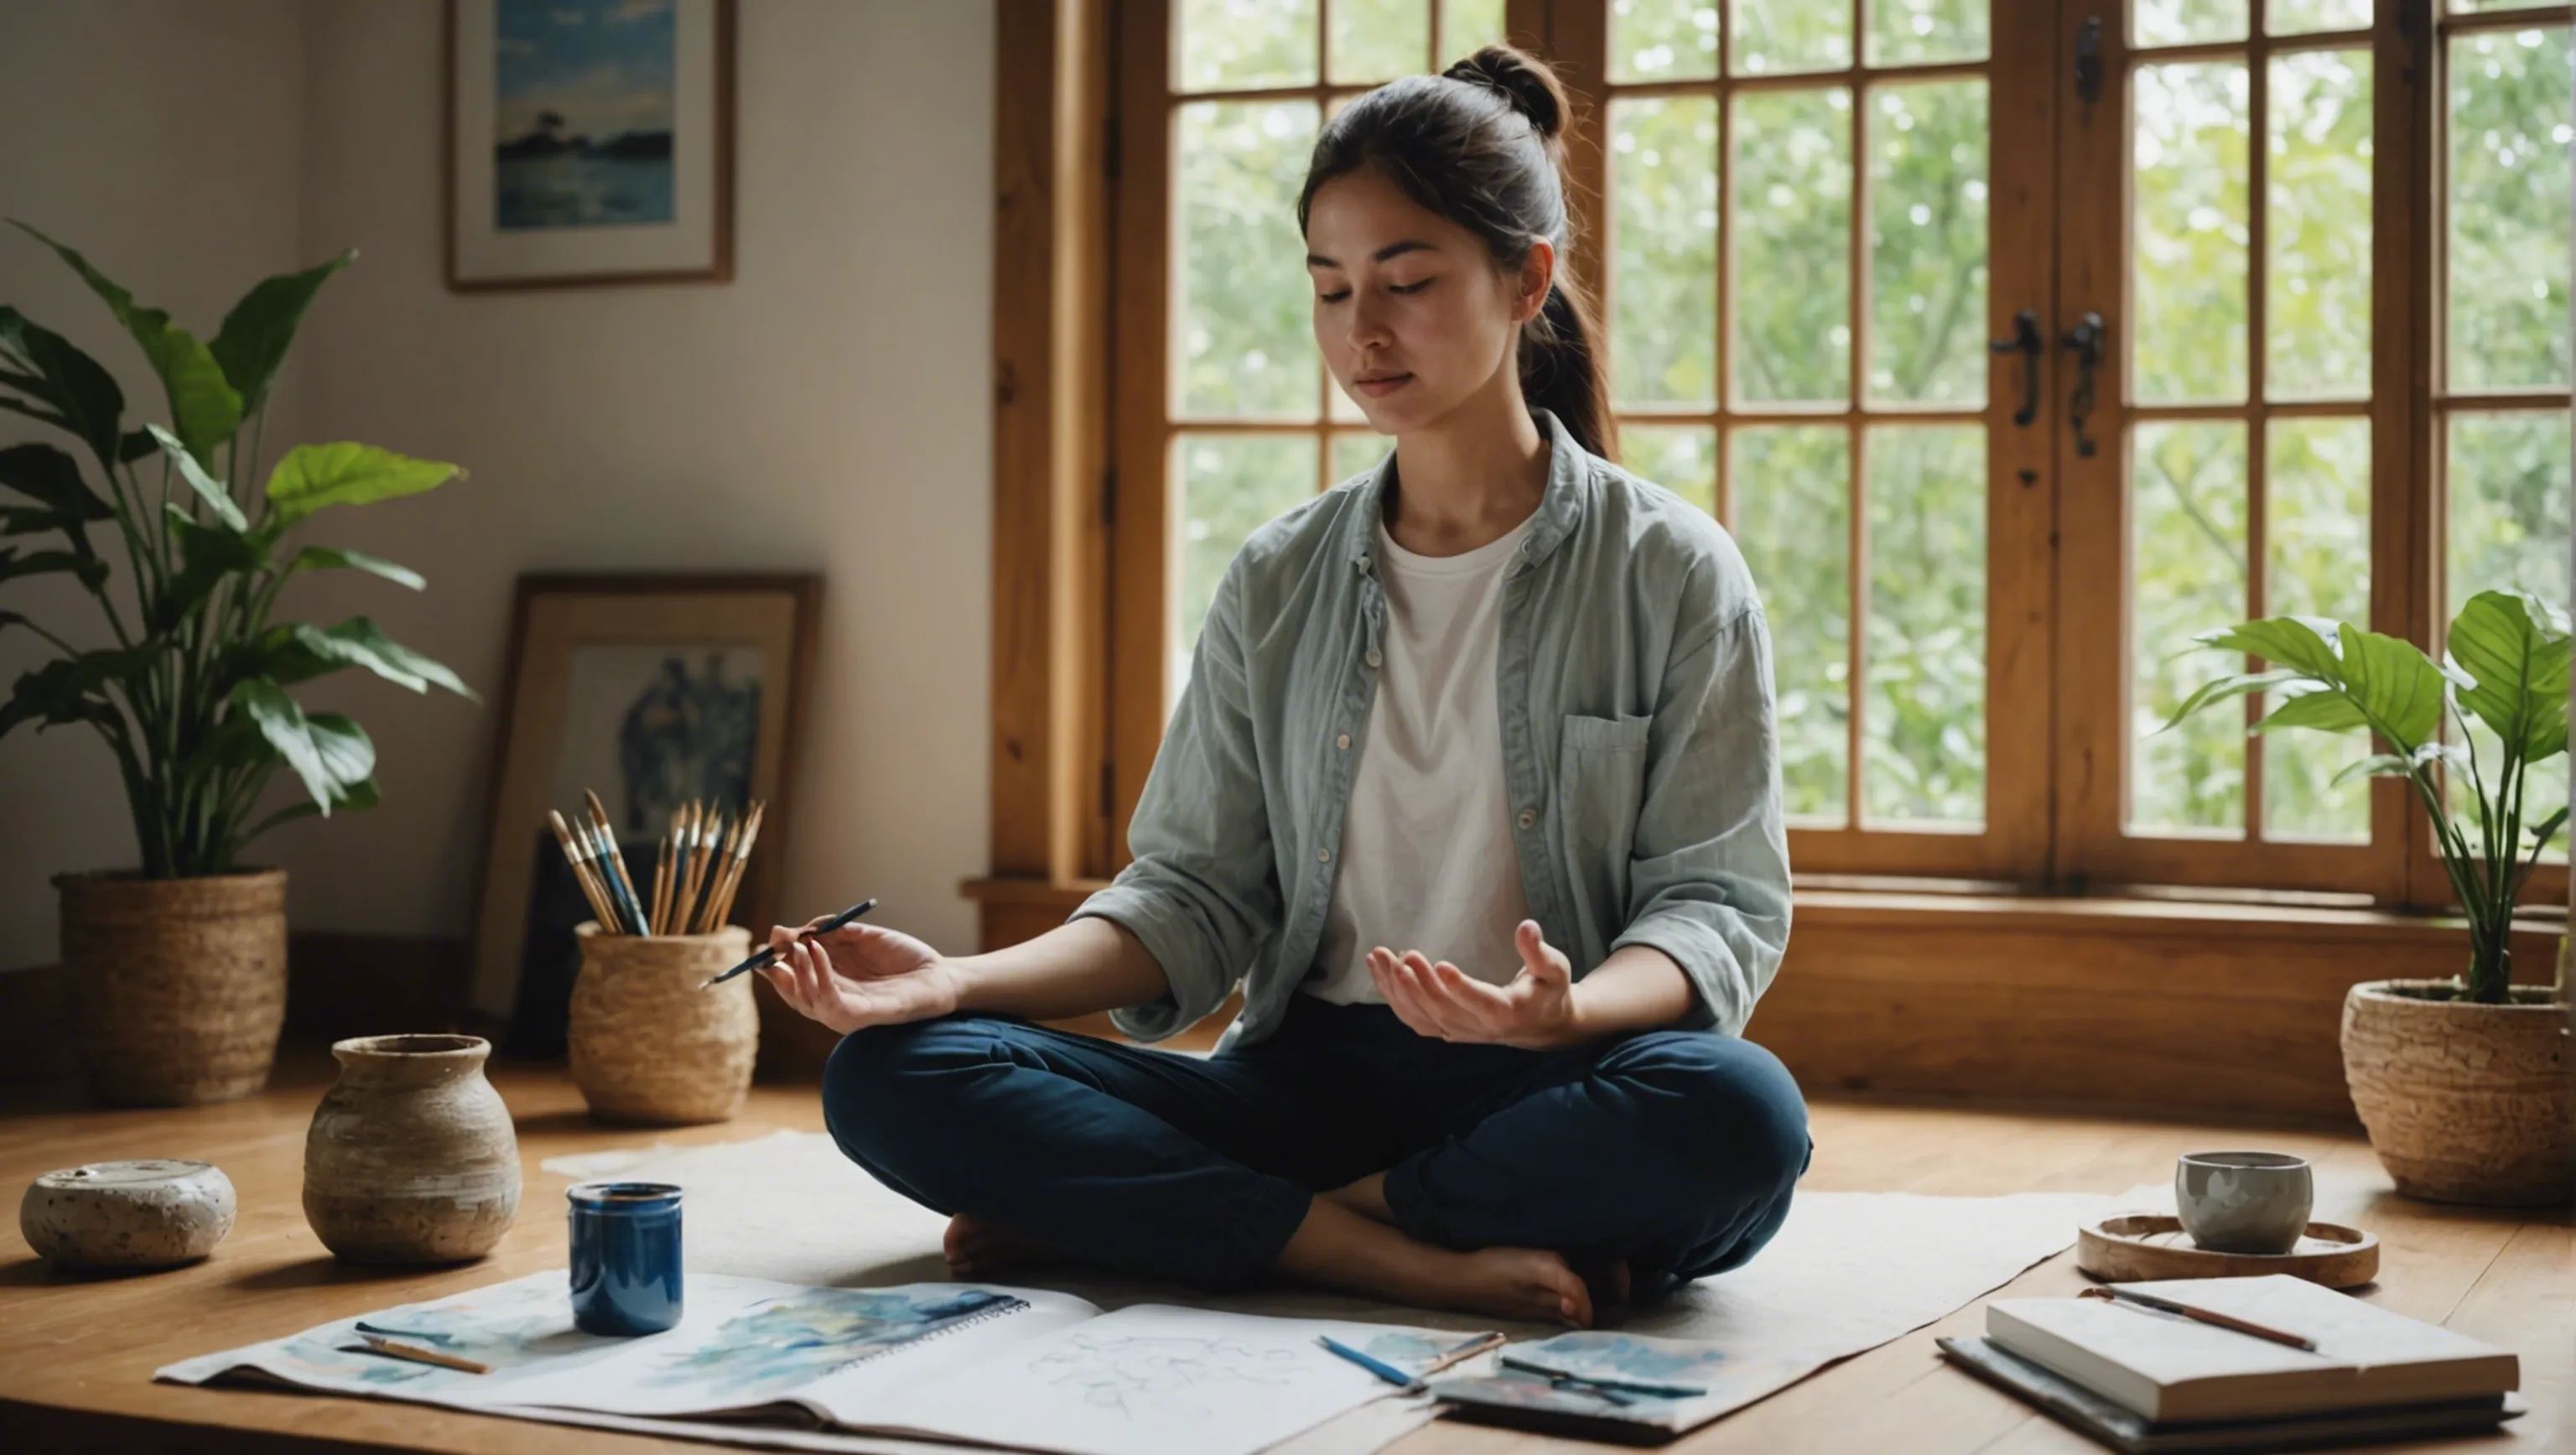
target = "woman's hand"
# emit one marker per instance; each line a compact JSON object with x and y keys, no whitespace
{"x":860,"y":975}
{"x":1536,"y":1011}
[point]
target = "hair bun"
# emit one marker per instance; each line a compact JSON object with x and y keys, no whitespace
{"x":1522,"y":79}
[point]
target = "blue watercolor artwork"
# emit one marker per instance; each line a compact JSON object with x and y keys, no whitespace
{"x":582,"y":101}
{"x":1598,"y":1354}
{"x":781,"y":1343}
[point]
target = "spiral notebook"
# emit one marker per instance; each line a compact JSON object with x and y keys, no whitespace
{"x":1002,"y":1366}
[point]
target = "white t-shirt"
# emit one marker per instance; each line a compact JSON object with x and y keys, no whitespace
{"x":1427,"y":860}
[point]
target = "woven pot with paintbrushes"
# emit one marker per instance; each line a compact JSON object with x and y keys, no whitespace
{"x":177,"y":965}
{"x":651,"y":1042}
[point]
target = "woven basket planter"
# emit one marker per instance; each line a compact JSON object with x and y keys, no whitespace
{"x":2464,"y":1102}
{"x":178,"y":985}
{"x":648,"y":1044}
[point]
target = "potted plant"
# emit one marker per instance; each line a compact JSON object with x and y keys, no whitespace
{"x":2462,"y":1084}
{"x":179,"y":964}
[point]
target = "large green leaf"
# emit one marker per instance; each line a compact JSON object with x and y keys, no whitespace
{"x":346,"y":751}
{"x":2228,"y":689}
{"x":2519,"y":666}
{"x":324,"y":557}
{"x":72,"y":689}
{"x":52,"y":479}
{"x":257,"y":333}
{"x":2305,"y":643}
{"x":283,"y":723}
{"x":48,"y":369}
{"x":358,"y":642}
{"x":2326,"y":710}
{"x":202,"y":404}
{"x":313,"y":477}
{"x":2394,"y":684}
{"x":208,"y":488}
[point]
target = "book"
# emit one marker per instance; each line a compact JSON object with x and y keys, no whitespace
{"x":2172,"y":1369}
{"x":2073,"y":1405}
{"x":1603,"y":1384}
{"x":1027,"y":1368}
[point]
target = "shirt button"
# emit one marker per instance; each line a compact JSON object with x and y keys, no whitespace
{"x":1343,"y":741}
{"x":1323,"y":856}
{"x":1528,"y":816}
{"x":1373,"y":658}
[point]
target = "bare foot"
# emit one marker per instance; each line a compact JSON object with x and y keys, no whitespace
{"x":979,"y":1249}
{"x":1344,"y":1249}
{"x":1612,"y":1285}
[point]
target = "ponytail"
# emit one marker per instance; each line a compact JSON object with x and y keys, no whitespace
{"x":1482,"y":144}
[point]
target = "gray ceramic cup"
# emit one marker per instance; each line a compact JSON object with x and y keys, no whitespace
{"x":2244,"y":1202}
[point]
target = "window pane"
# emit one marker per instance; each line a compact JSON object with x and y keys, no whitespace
{"x":1228,"y":485}
{"x":1792,"y":199}
{"x":1925,"y":722}
{"x":1663,"y":267}
{"x":1226,"y":44}
{"x":1468,"y":25}
{"x":2189,"y":232}
{"x":2508,"y":205}
{"x":1245,"y":334}
{"x":1680,"y":457}
{"x":2187,"y":575}
{"x":2317,"y":294}
{"x":2180,"y":22}
{"x":1660,"y":40}
{"x":2508,"y":483}
{"x":1791,"y":35}
{"x":1927,"y":230}
{"x":2317,"y":563}
{"x":1926,"y":30}
{"x":1357,"y":450}
{"x":2295,"y":17}
{"x":1792,"y":518}
{"x":1378,"y":40}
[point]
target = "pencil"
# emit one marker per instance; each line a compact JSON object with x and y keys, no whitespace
{"x":377,"y":1343}
{"x":2118,"y":1295}
{"x":576,"y":853}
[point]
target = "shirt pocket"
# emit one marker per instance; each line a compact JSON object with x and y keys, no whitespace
{"x":1600,"y":791}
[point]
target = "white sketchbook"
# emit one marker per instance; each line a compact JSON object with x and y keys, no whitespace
{"x":989,"y":1364}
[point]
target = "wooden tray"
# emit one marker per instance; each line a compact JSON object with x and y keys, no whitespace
{"x":2133,"y":1246}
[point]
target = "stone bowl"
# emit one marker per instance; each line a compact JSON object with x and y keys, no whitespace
{"x":152,"y":1213}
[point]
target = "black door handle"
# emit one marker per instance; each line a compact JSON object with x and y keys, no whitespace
{"x":2025,"y":342}
{"x":2085,"y":338}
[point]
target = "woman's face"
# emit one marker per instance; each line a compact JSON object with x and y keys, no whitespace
{"x":1410,"y":310}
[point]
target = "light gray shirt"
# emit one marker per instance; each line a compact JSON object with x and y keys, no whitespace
{"x":1640,"y":750}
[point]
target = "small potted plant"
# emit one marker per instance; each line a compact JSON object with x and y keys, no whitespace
{"x":2462,"y":1084}
{"x":179,"y":964}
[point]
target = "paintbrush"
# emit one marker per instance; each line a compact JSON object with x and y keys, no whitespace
{"x":621,"y":888}
{"x":661,"y":883}
{"x":718,"y":867}
{"x":732,"y":882}
{"x":577,"y":851}
{"x":768,"y":954}
{"x":379,"y":1344}
{"x":693,"y":880}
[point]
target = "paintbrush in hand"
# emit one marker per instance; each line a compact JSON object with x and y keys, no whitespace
{"x":768,"y":954}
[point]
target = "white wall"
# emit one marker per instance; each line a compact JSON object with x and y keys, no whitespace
{"x":162,"y":138}
{"x":827,"y":410}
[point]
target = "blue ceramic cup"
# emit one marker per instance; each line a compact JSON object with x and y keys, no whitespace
{"x":625,"y":1257}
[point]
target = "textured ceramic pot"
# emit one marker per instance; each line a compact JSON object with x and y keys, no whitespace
{"x":2244,"y":1202}
{"x":650,"y":1040}
{"x":2464,"y":1102}
{"x":178,"y":985}
{"x":411,"y":1157}
{"x":152,"y":1213}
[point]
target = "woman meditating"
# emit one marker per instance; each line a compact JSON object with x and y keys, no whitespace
{"x":1473,"y":788}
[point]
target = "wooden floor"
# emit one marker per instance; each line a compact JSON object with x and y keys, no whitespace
{"x":76,"y":1356}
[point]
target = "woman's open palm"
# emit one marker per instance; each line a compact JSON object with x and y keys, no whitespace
{"x":860,"y":975}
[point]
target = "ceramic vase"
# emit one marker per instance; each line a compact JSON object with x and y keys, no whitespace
{"x":411,"y":1157}
{"x":178,"y":985}
{"x":651,"y":1042}
{"x":2464,"y":1102}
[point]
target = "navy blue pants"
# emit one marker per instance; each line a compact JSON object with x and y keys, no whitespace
{"x":1674,"y":1151}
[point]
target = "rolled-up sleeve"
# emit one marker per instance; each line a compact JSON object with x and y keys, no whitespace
{"x":1201,"y":889}
{"x":1709,"y":873}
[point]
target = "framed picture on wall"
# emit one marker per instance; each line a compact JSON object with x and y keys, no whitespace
{"x":588,"y":142}
{"x":652,"y":692}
